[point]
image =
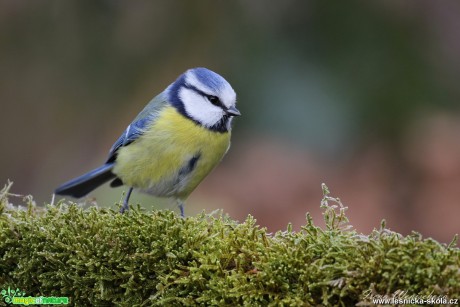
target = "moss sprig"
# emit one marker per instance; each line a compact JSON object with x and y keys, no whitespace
{"x":99,"y":257}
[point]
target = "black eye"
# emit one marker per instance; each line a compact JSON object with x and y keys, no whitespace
{"x":214,"y":100}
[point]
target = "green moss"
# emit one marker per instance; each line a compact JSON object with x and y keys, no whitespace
{"x":98,"y":256}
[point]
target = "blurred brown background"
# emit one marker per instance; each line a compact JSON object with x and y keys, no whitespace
{"x":363,"y":96}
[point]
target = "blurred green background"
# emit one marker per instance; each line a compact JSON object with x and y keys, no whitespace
{"x":361,"y":95}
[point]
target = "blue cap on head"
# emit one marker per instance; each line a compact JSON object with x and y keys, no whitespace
{"x":208,"y":78}
{"x":202,"y":80}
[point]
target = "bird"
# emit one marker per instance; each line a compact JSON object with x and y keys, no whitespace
{"x":172,"y":144}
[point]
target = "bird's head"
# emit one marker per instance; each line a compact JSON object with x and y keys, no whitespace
{"x":205,"y":97}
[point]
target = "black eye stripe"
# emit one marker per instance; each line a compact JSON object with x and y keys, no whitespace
{"x":191,"y":87}
{"x":212,"y":99}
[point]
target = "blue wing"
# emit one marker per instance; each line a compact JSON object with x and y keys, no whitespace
{"x":139,"y":125}
{"x":134,"y":131}
{"x":84,"y":184}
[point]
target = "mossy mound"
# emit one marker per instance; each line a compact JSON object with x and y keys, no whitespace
{"x":100,"y":257}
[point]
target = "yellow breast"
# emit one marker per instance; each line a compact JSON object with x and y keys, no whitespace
{"x":172,"y":157}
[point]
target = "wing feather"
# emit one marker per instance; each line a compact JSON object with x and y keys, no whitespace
{"x":142,"y":121}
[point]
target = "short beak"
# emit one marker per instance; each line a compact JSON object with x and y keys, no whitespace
{"x":233,"y":111}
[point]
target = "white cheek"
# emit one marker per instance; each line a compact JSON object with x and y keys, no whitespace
{"x":199,"y":108}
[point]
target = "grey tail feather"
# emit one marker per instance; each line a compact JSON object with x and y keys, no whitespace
{"x":84,"y":184}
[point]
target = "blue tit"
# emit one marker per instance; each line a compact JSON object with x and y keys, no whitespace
{"x":172,"y":145}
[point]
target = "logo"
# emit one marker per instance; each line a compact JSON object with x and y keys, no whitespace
{"x":18,"y":297}
{"x":9,"y":294}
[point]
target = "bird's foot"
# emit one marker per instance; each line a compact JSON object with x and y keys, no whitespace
{"x":125,"y":206}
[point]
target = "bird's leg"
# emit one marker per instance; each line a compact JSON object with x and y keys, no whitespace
{"x":125,"y":206}
{"x":180,"y":203}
